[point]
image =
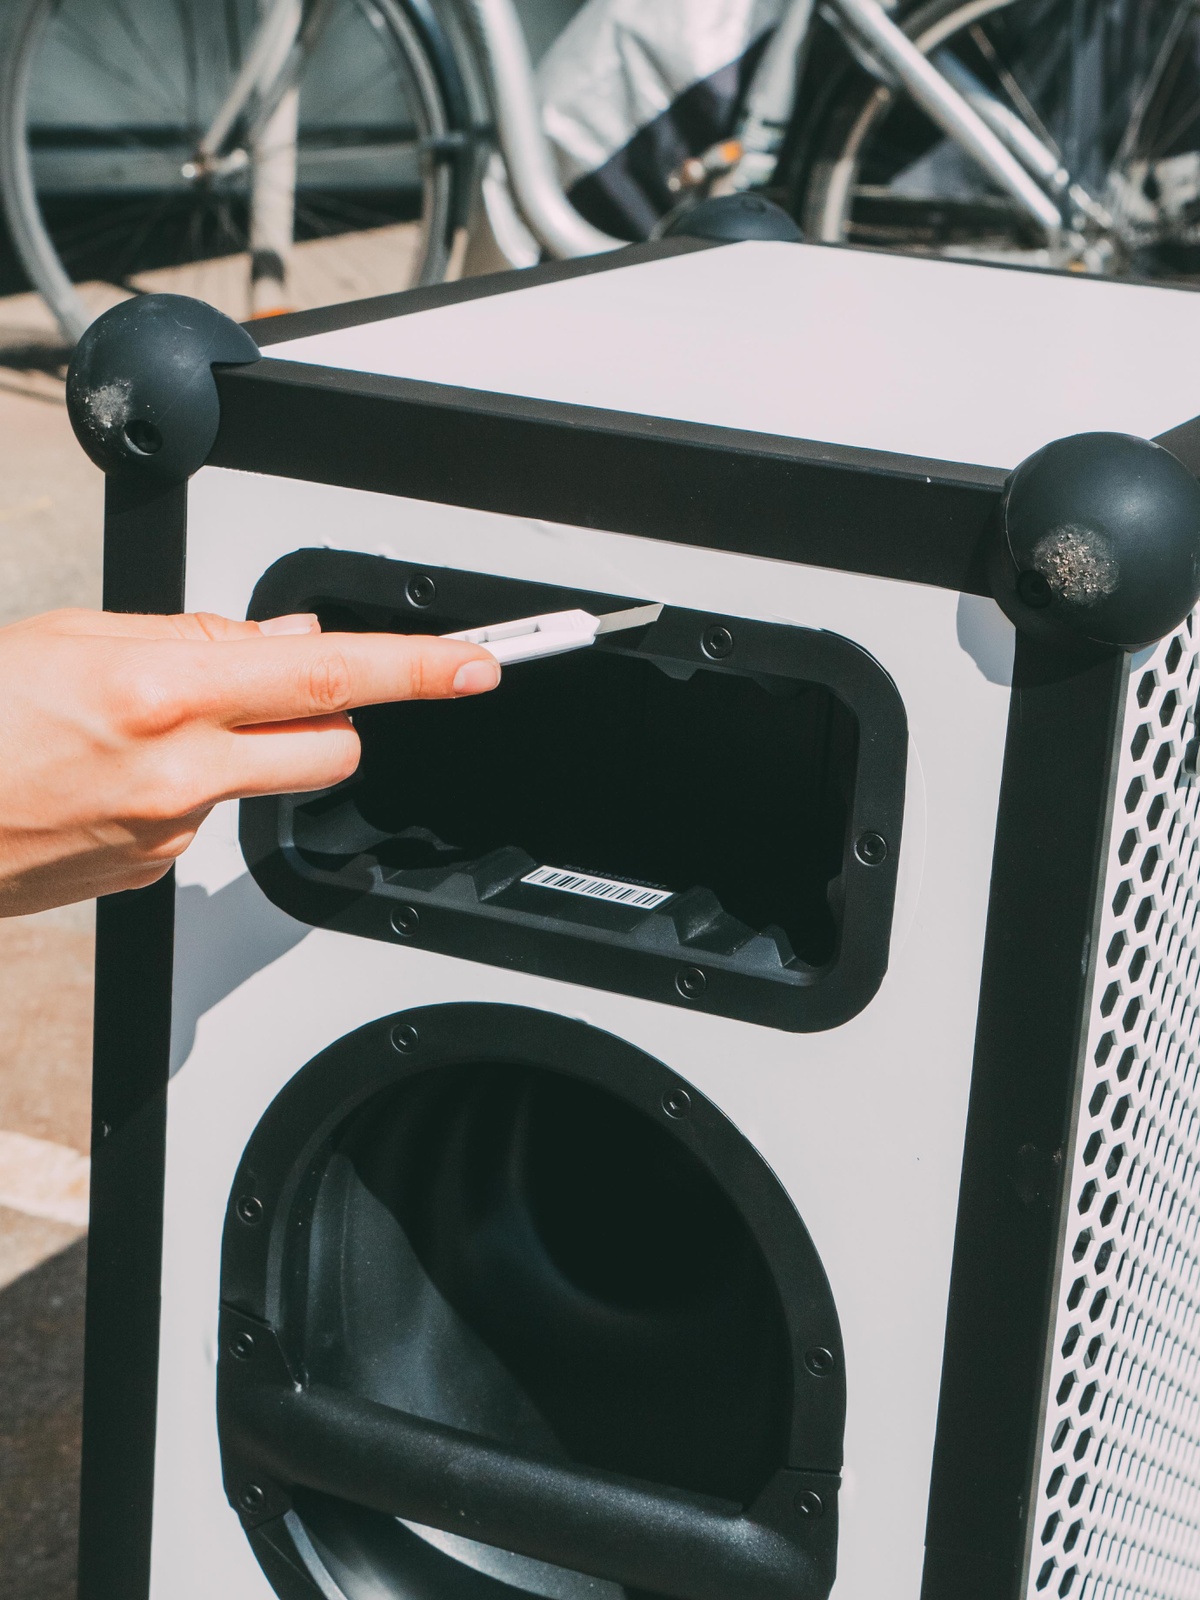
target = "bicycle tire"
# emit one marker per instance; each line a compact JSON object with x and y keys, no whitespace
{"x":104,"y":202}
{"x":840,"y":171}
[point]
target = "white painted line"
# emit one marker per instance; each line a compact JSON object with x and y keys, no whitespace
{"x":44,"y":1179}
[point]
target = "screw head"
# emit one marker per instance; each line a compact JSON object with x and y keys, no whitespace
{"x":405,"y":921}
{"x":691,"y":982}
{"x":871,"y":849}
{"x":250,"y":1209}
{"x":143,"y":438}
{"x":420,"y":590}
{"x":242,"y":1346}
{"x":251,"y":1498}
{"x":809,"y":1503}
{"x":819,"y":1361}
{"x":677,"y":1102}
{"x":1034,"y":589}
{"x":404,"y":1037}
{"x":717,"y":642}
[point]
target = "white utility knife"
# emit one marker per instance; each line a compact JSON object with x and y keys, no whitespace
{"x":553,"y":633}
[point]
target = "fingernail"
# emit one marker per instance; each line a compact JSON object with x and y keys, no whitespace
{"x":299,"y":622}
{"x":474,"y":677}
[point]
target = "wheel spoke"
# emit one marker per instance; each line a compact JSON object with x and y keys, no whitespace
{"x":326,"y":216}
{"x":355,"y":92}
{"x":191,"y":61}
{"x":138,"y":42}
{"x":1150,"y":88}
{"x":111,"y":195}
{"x":1071,"y":70}
{"x":193,"y":250}
{"x":233,"y":37}
{"x":90,"y":246}
{"x":227,"y":227}
{"x":127,"y":261}
{"x":1182,"y":124}
{"x":84,"y":47}
{"x":1008,"y":79}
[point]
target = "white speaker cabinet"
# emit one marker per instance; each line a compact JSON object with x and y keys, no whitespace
{"x":718,"y":1117}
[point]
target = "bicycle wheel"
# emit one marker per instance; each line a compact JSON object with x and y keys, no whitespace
{"x":1113,"y":90}
{"x":103,"y":108}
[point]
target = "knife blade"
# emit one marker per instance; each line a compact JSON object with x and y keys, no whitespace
{"x":554,"y":632}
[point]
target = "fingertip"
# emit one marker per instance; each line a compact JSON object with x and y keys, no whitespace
{"x":296,"y":622}
{"x":477,"y":677}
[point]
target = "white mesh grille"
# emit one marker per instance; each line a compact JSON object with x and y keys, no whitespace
{"x":1118,"y":1499}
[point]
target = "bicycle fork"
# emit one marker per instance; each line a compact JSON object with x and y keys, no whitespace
{"x":264,"y":98}
{"x":273,"y":205}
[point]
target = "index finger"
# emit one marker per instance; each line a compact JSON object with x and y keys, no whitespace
{"x":286,"y":678}
{"x":197,"y":626}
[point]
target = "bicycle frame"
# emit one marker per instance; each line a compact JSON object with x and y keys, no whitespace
{"x":261,"y":110}
{"x":981,"y":138}
{"x":951,"y":96}
{"x":962,"y":107}
{"x":1008,"y":151}
{"x":262,"y":77}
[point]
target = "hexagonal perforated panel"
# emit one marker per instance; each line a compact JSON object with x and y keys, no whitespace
{"x":1117,"y":1512}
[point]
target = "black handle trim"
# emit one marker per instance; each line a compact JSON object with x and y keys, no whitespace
{"x":645,"y":1536}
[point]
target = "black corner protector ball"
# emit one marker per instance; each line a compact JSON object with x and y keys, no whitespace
{"x":732,"y":219}
{"x":1099,"y":541}
{"x":140,"y":389}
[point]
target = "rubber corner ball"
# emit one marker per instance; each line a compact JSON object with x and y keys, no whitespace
{"x":1098,"y":540}
{"x":731,"y":219}
{"x":140,"y":388}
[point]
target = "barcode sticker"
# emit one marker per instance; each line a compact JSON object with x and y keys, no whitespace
{"x":624,"y":894}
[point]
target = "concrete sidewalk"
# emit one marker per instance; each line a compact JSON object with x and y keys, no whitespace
{"x":50,"y":545}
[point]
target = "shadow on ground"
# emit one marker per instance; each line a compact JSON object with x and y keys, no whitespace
{"x":32,"y":355}
{"x":41,"y":1336}
{"x":25,"y":348}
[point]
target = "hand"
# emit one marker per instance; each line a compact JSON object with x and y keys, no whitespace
{"x":118,"y":734}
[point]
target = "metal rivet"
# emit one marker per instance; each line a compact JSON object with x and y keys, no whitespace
{"x":809,"y":1503}
{"x":1034,"y":589}
{"x":677,"y":1102}
{"x":420,"y":590}
{"x":405,"y":921}
{"x":250,"y":1209}
{"x":404,"y":1036}
{"x":242,"y":1346}
{"x":691,"y":983}
{"x":252,"y":1498}
{"x":871,"y":849}
{"x":717,"y":642}
{"x":143,"y":438}
{"x":819,"y":1361}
